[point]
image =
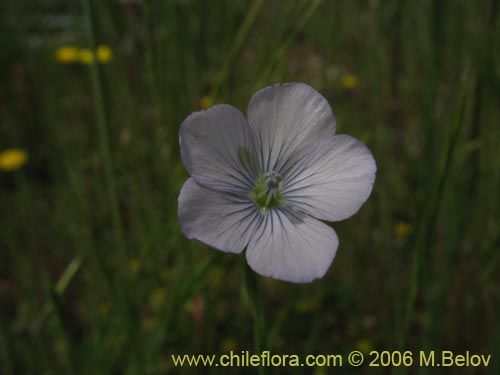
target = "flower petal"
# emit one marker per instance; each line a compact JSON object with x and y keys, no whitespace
{"x":219,"y":219}
{"x":288,"y":120}
{"x":217,"y":149}
{"x":334,"y":180}
{"x":292,"y":247}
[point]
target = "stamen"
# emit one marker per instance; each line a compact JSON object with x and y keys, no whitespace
{"x":267,"y":193}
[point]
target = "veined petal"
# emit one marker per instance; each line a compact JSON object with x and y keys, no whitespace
{"x":334,"y":180}
{"x":219,"y":219}
{"x":288,"y":120}
{"x":292,"y":246}
{"x":217,"y":149}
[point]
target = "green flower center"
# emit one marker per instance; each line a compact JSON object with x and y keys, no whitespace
{"x":268,"y":191}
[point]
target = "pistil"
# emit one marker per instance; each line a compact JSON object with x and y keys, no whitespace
{"x":268,"y":191}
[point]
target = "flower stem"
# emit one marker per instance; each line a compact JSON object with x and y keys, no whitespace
{"x":255,"y":301}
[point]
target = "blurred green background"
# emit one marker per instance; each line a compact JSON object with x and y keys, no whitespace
{"x":95,"y":275}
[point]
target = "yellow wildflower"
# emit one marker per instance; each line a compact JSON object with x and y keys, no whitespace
{"x":206,"y":102}
{"x":103,"y":308}
{"x":308,"y":304}
{"x":217,"y":276}
{"x":364,"y":346}
{"x":157,"y":298}
{"x":66,"y":54}
{"x":402,"y":229}
{"x":165,"y":275}
{"x":134,"y":266}
{"x":12,"y":159}
{"x":189,"y":305}
{"x":85,"y":56}
{"x":59,"y":346}
{"x":125,"y":136}
{"x":320,"y":370}
{"x":149,"y":323}
{"x":104,"y":54}
{"x":369,"y":321}
{"x":229,"y":345}
{"x":366,"y":137}
{"x":349,"y":81}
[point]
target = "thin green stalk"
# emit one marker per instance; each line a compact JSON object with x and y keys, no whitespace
{"x":287,"y":36}
{"x":135,"y":359}
{"x":102,"y":125}
{"x":430,"y":210}
{"x":470,"y":173}
{"x":177,"y":295}
{"x":6,"y":366}
{"x":255,"y":302}
{"x":239,"y":40}
{"x":69,"y":354}
{"x":59,"y":289}
{"x":150,"y":64}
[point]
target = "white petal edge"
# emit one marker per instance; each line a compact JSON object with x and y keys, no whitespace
{"x":292,"y":247}
{"x":221,"y":220}
{"x":217,"y":147}
{"x":334,"y":180}
{"x":288,"y":120}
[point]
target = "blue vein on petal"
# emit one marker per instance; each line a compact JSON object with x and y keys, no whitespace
{"x":252,"y":212}
{"x":228,"y":160}
{"x":293,"y":182}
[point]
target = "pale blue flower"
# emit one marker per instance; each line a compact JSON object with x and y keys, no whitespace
{"x":265,"y":183}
